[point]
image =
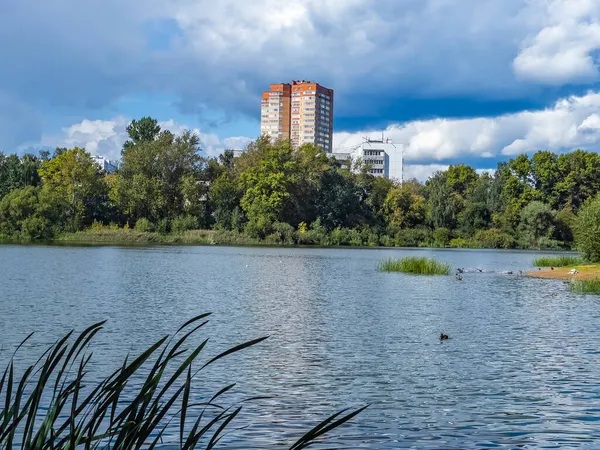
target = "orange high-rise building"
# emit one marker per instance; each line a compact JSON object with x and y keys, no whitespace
{"x":301,"y":112}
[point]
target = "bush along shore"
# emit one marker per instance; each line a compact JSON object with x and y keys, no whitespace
{"x":166,"y":190}
{"x":55,"y":403}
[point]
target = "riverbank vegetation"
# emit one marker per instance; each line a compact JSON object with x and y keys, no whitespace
{"x":56,"y":403}
{"x":415,"y":265}
{"x":585,"y":286}
{"x":166,"y":189}
{"x":557,"y":261}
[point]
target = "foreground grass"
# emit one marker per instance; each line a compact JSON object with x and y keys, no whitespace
{"x":557,"y":261}
{"x":55,"y":405}
{"x":585,"y":286}
{"x":415,"y":265}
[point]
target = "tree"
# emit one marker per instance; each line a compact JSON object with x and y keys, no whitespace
{"x":23,"y":215}
{"x":404,"y":207}
{"x":339,"y":200}
{"x":537,"y":222}
{"x":477,"y":211}
{"x":460,"y":178}
{"x":587,"y":230}
{"x":77,"y":182}
{"x":155,"y":172}
{"x":16,"y":173}
{"x":579,"y":178}
{"x":266,"y":185}
{"x":305,"y":179}
{"x":144,"y":130}
{"x":545,"y":172}
{"x":445,"y":204}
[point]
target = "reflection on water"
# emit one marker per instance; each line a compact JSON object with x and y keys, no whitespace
{"x":520,"y":368}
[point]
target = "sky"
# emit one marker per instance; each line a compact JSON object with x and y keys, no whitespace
{"x":454,"y":81}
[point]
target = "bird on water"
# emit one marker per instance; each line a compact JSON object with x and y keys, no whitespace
{"x":443,"y":337}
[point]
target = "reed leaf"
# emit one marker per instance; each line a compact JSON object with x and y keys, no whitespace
{"x":51,"y":406}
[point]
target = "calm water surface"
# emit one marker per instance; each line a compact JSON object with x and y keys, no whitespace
{"x":521,"y":368}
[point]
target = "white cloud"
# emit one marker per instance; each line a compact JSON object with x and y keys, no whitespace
{"x":573,"y":122}
{"x":106,"y":137}
{"x":563,"y":50}
{"x":422,"y":171}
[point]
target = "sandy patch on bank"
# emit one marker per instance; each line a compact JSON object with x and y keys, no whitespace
{"x":562,"y":273}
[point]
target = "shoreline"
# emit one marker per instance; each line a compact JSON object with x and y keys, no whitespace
{"x":585,"y":272}
{"x":130,"y":237}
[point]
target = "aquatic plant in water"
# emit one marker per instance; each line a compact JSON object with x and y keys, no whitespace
{"x":54,"y":405}
{"x":415,"y":265}
{"x":591,"y":286}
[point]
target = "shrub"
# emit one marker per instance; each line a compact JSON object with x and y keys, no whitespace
{"x":369,"y":238}
{"x":184,"y":223}
{"x":415,"y":265}
{"x":54,"y":403}
{"x":143,"y":225}
{"x":441,"y":237}
{"x":556,"y":261}
{"x":355,"y":238}
{"x":413,"y":237}
{"x":545,"y":243}
{"x":339,"y":236}
{"x":283,"y":233}
{"x":316,"y":235}
{"x":162,"y":226}
{"x":493,"y":238}
{"x":585,"y":286}
{"x":587,"y":230}
{"x":460,"y":243}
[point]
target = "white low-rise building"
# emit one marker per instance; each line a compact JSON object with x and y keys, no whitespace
{"x":383,"y":157}
{"x":105,"y":164}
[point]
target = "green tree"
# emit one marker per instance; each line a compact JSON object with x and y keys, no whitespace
{"x":460,"y":177}
{"x":77,"y":182}
{"x":404,"y":207}
{"x":23,"y":214}
{"x":579,"y":178}
{"x":537,"y":222}
{"x":157,"y":174}
{"x":477,"y":214}
{"x":266,"y":184}
{"x":445,"y":205}
{"x":144,"y":130}
{"x":545,"y":171}
{"x":17,"y":172}
{"x":587,"y":230}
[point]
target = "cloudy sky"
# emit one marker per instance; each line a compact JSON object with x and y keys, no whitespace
{"x":472,"y":81}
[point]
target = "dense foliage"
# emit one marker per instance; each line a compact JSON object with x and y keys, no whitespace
{"x":277,"y":194}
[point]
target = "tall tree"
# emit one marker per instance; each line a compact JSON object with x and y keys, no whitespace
{"x":75,"y":179}
{"x":144,"y":130}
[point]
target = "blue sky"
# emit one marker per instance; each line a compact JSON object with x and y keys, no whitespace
{"x":473,"y":81}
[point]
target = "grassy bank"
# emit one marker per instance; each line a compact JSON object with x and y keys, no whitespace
{"x":586,"y":286}
{"x":557,"y":261}
{"x":415,"y":265}
{"x":128,"y":236}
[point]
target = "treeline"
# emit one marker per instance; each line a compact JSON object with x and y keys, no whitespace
{"x":278,"y":194}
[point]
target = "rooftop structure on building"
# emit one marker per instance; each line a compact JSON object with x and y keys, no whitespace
{"x":301,"y":111}
{"x":105,"y":164}
{"x":383,"y":157}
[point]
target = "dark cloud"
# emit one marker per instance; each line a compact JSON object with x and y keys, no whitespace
{"x":388,"y":60}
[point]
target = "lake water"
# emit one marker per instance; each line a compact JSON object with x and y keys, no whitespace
{"x":521,"y":368}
